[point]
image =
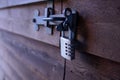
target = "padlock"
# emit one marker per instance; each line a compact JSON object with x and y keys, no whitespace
{"x":67,"y":47}
{"x":68,"y":42}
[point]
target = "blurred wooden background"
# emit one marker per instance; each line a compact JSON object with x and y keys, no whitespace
{"x":29,"y":55}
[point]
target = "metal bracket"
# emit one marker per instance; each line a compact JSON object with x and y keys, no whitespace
{"x":38,"y":20}
{"x":50,"y":19}
{"x":63,"y":22}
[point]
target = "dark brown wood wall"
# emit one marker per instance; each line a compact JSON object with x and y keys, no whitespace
{"x":29,"y":55}
{"x":23,"y":58}
{"x":98,"y":25}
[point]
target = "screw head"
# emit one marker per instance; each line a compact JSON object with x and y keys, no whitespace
{"x":34,"y":20}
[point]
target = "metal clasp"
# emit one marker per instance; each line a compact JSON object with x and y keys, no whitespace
{"x":50,"y":19}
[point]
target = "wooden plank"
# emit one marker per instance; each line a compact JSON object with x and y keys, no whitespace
{"x":43,"y":59}
{"x":30,"y":60}
{"x":90,"y":67}
{"x":12,"y":3}
{"x":3,"y":75}
{"x":23,"y":25}
{"x":21,"y":70}
{"x":99,"y":31}
{"x":98,"y":26}
{"x":7,"y":69}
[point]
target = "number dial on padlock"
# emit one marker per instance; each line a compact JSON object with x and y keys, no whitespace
{"x":67,"y":49}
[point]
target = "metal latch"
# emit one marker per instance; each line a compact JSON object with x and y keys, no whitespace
{"x":63,"y":22}
{"x":50,"y":19}
{"x":38,"y":19}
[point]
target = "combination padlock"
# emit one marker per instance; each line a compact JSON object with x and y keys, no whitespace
{"x":67,"y":42}
{"x":67,"y":48}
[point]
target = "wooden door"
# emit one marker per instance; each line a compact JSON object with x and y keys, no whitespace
{"x":27,"y":54}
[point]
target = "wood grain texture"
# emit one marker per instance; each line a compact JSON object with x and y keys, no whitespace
{"x":26,"y":54}
{"x":90,"y":67}
{"x":99,"y":26}
{"x":23,"y":58}
{"x":20,"y":22}
{"x":12,"y":3}
{"x":3,"y":75}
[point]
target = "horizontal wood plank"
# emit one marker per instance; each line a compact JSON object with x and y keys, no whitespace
{"x":8,"y":69}
{"x":30,"y":60}
{"x":23,"y":25}
{"x":98,"y":26}
{"x":90,"y":67}
{"x":41,"y":61}
{"x":12,"y":3}
{"x":4,"y":75}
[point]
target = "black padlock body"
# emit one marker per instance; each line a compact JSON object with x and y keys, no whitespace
{"x":62,"y":27}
